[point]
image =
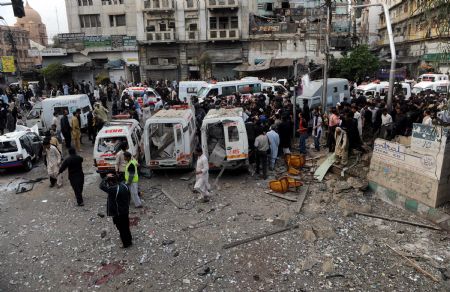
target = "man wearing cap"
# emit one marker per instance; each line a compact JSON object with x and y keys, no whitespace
{"x":117,"y":206}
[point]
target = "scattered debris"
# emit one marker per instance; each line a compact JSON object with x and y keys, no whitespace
{"x":171,"y":199}
{"x":322,"y":170}
{"x":167,"y":242}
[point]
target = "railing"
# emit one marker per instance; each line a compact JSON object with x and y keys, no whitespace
{"x":158,"y":6}
{"x":161,"y":36}
{"x":221,"y":34}
{"x":222,"y":3}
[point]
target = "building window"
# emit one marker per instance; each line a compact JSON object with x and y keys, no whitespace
{"x":85,"y":3}
{"x":90,"y":20}
{"x":156,"y":4}
{"x":234,"y":22}
{"x":192,"y":27}
{"x":190,"y":3}
{"x":153,"y":61}
{"x":223,"y":23}
{"x":162,"y":27}
{"x":172,"y":61}
{"x":117,"y":20}
{"x":213,"y":23}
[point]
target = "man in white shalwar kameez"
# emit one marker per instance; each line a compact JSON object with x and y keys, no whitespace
{"x":53,"y":158}
{"x":202,"y":176}
{"x":274,"y":141}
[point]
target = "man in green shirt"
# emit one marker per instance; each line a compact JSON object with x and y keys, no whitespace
{"x":132,"y":178}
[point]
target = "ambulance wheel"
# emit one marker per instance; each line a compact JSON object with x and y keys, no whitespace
{"x":28,"y":164}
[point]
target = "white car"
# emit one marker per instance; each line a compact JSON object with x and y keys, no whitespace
{"x":20,"y":149}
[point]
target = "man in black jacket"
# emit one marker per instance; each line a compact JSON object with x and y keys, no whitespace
{"x":118,"y":206}
{"x":76,"y":176}
{"x":66,"y":129}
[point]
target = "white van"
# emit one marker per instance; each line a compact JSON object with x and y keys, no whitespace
{"x":170,"y":138}
{"x":230,"y":87}
{"x":136,"y":93}
{"x":109,"y":140}
{"x":224,"y":138}
{"x":431,"y":77}
{"x":337,"y":90}
{"x":372,"y":88}
{"x":187,"y":89}
{"x":42,"y":112}
{"x":275,"y":88}
{"x":438,"y":86}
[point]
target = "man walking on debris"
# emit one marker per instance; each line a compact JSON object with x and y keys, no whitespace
{"x":66,"y":129}
{"x":132,"y":178}
{"x":202,"y":176}
{"x":53,"y":160}
{"x":117,"y":206}
{"x":76,"y":176}
{"x":274,"y":141}
{"x":341,"y":148}
{"x":120,"y":161}
{"x":262,"y":146}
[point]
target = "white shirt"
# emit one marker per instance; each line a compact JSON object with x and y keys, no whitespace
{"x":57,"y":122}
{"x":386,"y":119}
{"x":427,"y":121}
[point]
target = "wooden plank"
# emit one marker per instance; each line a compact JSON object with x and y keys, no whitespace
{"x":171,"y":199}
{"x":399,"y":221}
{"x":288,"y":198}
{"x":324,"y":167}
{"x":415,"y":265}
{"x":250,"y":239}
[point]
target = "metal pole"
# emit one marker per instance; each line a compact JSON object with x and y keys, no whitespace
{"x":392,"y":48}
{"x":327,"y":52}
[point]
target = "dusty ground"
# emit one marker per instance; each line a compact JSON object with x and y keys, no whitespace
{"x":47,"y":243}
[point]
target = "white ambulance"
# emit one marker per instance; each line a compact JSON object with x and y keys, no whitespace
{"x":170,"y":138}
{"x":224,"y":138}
{"x":109,"y":140}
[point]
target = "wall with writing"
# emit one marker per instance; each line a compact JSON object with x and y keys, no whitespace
{"x":417,"y":171}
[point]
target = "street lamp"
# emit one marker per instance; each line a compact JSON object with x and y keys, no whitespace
{"x":391,"y":45}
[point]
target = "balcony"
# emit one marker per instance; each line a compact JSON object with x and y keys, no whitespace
{"x":158,"y":6}
{"x":222,"y":4}
{"x":223,"y":34}
{"x":192,"y":35}
{"x":161,"y":37}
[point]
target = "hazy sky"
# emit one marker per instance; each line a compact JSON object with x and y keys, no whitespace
{"x":48,"y":10}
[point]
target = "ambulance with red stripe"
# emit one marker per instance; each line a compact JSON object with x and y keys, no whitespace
{"x":137,"y":93}
{"x":170,"y":138}
{"x":109,"y":140}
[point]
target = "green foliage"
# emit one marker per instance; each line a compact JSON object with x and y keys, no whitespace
{"x":55,"y":72}
{"x":358,"y":64}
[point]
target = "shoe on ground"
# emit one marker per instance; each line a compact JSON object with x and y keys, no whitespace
{"x":81,"y":205}
{"x":139,"y":207}
{"x":127,"y":245}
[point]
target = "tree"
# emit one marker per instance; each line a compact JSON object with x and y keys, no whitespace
{"x":358,"y":64}
{"x":55,"y":72}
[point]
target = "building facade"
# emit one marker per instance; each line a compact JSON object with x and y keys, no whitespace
{"x":421,"y":45}
{"x":193,"y":39}
{"x":102,"y":40}
{"x":22,"y":45}
{"x":32,"y":22}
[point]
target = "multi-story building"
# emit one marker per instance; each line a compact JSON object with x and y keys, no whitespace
{"x":417,"y":36}
{"x":367,"y":20}
{"x":102,"y":39}
{"x":178,"y":38}
{"x":32,"y":22}
{"x":22,"y":45}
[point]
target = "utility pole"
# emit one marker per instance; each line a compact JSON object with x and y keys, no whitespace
{"x":328,"y":4}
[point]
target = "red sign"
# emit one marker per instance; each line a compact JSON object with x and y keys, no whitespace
{"x":112,"y":131}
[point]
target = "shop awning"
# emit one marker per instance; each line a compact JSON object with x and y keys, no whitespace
{"x":253,"y":68}
{"x":74,"y":64}
{"x":285,"y":62}
{"x":407,"y":60}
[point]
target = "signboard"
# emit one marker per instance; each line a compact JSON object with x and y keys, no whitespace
{"x":47,"y":52}
{"x":8,"y":64}
{"x":70,"y":37}
{"x":96,"y":41}
{"x":116,"y":41}
{"x":129,"y":41}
